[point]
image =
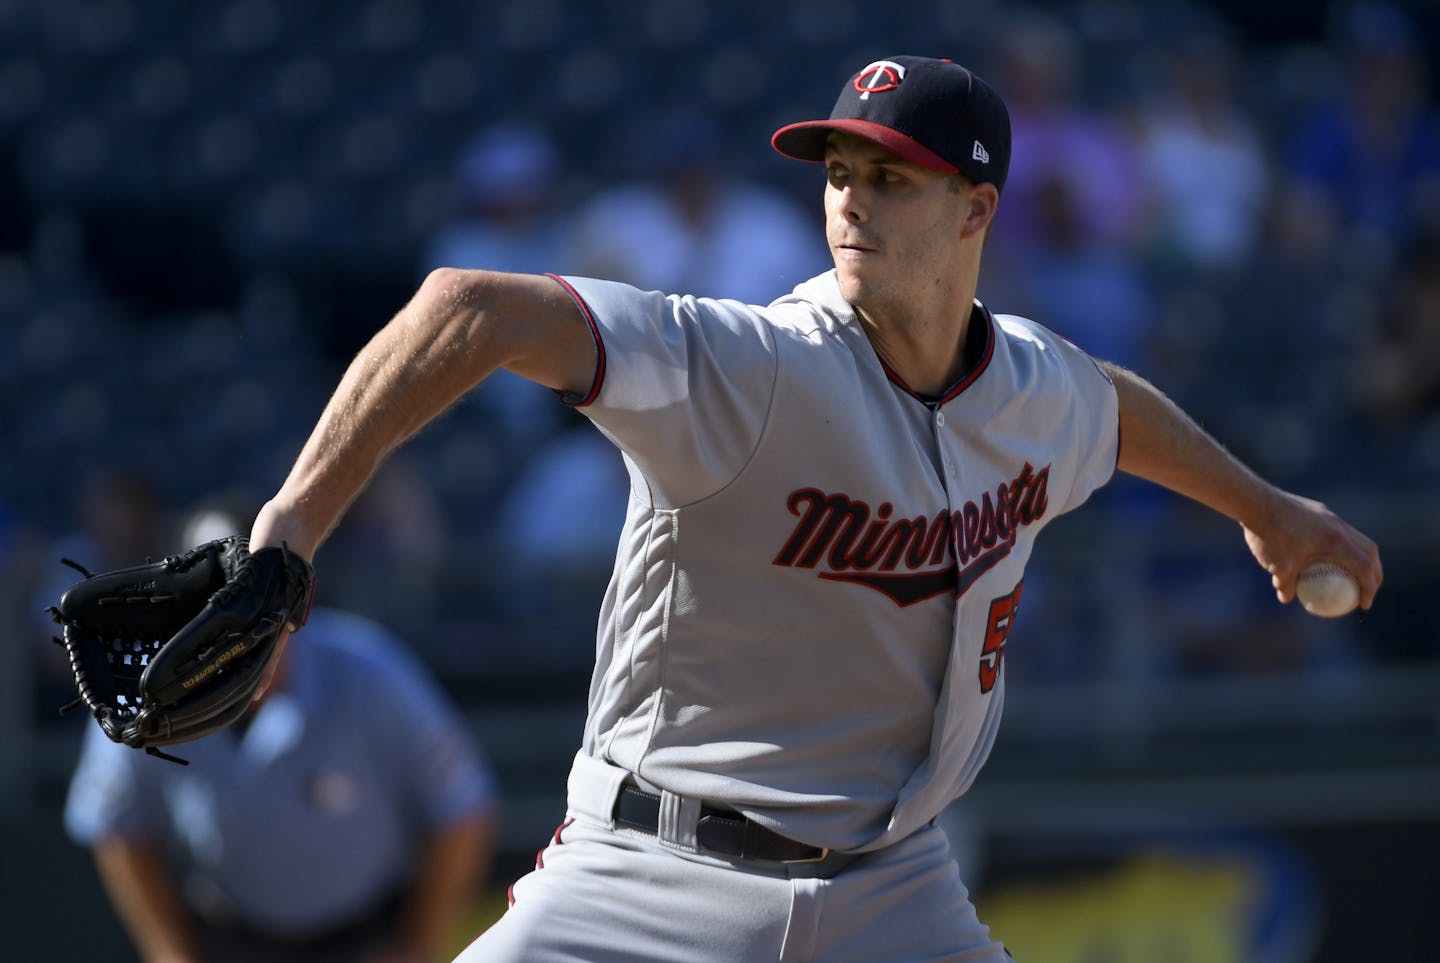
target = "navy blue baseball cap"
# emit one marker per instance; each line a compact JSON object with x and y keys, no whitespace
{"x":930,"y":112}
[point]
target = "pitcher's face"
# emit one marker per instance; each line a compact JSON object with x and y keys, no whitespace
{"x":893,"y":227}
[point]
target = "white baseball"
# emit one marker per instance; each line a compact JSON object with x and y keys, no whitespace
{"x":1327,"y":590}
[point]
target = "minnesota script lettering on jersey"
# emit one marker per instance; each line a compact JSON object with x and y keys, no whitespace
{"x":911,"y":559}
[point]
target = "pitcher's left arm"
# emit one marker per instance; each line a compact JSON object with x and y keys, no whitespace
{"x":1285,"y":531}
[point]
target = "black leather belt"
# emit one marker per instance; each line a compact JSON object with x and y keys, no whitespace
{"x":727,"y":834}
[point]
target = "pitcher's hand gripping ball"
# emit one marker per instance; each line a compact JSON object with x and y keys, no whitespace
{"x":1327,"y":590}
{"x":171,"y":651}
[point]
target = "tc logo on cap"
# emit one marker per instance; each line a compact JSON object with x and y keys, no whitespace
{"x":878,"y":77}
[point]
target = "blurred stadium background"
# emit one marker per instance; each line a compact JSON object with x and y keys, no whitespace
{"x":206,"y":207}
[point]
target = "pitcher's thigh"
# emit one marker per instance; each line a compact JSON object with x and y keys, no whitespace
{"x":602,"y":896}
{"x":906,"y":903}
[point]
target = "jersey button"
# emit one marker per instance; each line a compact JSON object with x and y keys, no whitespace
{"x":939,"y":419}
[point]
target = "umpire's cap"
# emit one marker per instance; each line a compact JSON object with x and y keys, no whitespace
{"x":934,"y":113}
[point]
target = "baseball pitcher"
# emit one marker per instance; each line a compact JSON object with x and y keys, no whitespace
{"x":801,"y":654}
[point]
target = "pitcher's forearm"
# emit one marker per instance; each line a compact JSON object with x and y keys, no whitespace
{"x":1162,"y":444}
{"x":430,"y":353}
{"x":1283,"y":530}
{"x":457,"y":329}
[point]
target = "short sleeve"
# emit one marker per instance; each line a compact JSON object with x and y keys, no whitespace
{"x":684,"y":386}
{"x":1062,"y":395}
{"x":1096,"y":422}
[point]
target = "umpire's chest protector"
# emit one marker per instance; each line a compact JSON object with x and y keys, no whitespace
{"x":819,"y":569}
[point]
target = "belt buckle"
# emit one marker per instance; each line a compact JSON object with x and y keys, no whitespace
{"x":824,"y":852}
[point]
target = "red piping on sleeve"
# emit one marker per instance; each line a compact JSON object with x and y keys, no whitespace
{"x":576,"y":400}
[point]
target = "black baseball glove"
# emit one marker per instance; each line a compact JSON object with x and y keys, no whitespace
{"x":171,"y":651}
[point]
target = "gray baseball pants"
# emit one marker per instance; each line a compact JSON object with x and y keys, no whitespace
{"x":601,"y":894}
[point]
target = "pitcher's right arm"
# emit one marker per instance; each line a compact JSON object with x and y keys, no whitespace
{"x":455,"y":331}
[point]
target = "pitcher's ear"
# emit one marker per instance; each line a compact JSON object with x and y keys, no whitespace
{"x":980,"y":210}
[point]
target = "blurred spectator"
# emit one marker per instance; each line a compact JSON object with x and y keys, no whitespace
{"x":347,"y":818}
{"x":388,"y":559}
{"x":119,"y":518}
{"x":693,"y":227}
{"x":556,"y":530}
{"x":1278,"y":322}
{"x":1073,"y":201}
{"x":1369,"y":157}
{"x":1063,"y":150}
{"x":509,"y":182}
{"x":1202,"y":159}
{"x":1096,"y":295}
{"x":1396,"y":380}
{"x":1392,"y":384}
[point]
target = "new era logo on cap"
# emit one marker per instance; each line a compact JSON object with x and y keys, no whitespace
{"x":931,"y":112}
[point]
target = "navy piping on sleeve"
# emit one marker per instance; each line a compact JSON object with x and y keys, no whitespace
{"x":569,"y":398}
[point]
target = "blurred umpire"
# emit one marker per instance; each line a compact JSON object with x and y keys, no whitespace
{"x":347,"y":819}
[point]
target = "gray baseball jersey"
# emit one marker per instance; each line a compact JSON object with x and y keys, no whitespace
{"x":819,"y":568}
